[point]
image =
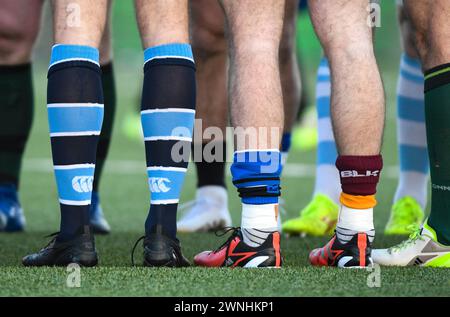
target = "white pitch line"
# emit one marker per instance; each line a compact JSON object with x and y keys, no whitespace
{"x":130,"y":167}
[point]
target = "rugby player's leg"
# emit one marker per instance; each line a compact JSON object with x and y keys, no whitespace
{"x":75,"y":114}
{"x":98,"y":221}
{"x":357,"y":111}
{"x":290,"y":75}
{"x":319,"y":216}
{"x":167,"y":114}
{"x":411,"y":195}
{"x":209,"y":210}
{"x":19,"y":25}
{"x":255,"y":93}
{"x":432,"y":33}
{"x":430,"y":245}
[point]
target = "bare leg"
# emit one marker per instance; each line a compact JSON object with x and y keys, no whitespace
{"x":254,"y":29}
{"x":357,"y":110}
{"x":162,"y":22}
{"x":79,"y":22}
{"x":289,"y":68}
{"x":431,"y":31}
{"x":357,"y":98}
{"x":254,"y":33}
{"x":19,"y":27}
{"x":106,"y":41}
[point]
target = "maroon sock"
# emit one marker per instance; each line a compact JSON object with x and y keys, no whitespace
{"x":359,"y":174}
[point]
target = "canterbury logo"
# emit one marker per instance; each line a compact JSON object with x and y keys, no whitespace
{"x":357,"y":174}
{"x":82,"y":184}
{"x":159,"y":184}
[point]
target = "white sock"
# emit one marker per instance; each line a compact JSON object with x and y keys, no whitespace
{"x":258,"y":222}
{"x":351,"y":221}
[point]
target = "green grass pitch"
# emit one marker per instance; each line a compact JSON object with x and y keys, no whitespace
{"x":124,"y":196}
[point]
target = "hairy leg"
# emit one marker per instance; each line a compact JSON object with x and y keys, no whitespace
{"x":289,"y":68}
{"x":357,"y":111}
{"x":254,"y":37}
{"x":162,"y":22}
{"x":79,"y":22}
{"x":431,"y":30}
{"x":254,"y":30}
{"x":357,"y":98}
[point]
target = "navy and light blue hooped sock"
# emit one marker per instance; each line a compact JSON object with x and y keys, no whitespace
{"x":327,"y":176}
{"x":256,"y":175}
{"x":75,"y":115}
{"x":411,"y":134}
{"x":167,"y":114}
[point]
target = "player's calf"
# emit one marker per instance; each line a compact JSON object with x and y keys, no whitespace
{"x":351,"y":244}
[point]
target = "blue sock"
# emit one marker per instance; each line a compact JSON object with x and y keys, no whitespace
{"x":411,"y":134}
{"x":75,"y":115}
{"x":167,"y":113}
{"x":327,"y":176}
{"x":256,"y":175}
{"x":285,"y":146}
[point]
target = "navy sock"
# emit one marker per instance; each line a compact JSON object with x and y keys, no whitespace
{"x":75,"y":115}
{"x":109,"y":94}
{"x":167,"y":114}
{"x":16,"y":107}
{"x":285,"y":146}
{"x":211,"y":172}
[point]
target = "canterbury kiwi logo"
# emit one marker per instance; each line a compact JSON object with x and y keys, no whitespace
{"x":82,"y":184}
{"x":354,"y":173}
{"x":159,"y":184}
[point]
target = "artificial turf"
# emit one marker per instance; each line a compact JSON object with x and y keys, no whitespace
{"x":124,"y":196}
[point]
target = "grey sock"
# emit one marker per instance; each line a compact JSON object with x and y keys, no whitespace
{"x":256,"y":237}
{"x":345,"y":235}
